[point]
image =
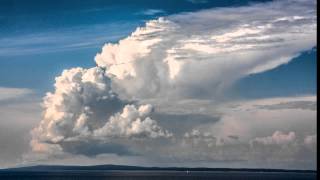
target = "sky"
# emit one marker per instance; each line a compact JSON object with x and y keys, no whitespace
{"x":168,"y":83}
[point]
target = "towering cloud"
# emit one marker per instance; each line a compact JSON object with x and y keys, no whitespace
{"x":84,"y":107}
{"x":182,"y":55}
{"x":191,"y":55}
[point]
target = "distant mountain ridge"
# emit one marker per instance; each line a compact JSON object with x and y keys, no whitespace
{"x":110,"y":167}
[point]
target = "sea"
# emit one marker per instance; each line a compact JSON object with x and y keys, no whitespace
{"x":156,"y":175}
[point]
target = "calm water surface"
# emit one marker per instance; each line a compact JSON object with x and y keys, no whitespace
{"x":155,"y":175}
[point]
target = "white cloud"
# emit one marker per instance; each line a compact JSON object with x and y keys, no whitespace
{"x":191,"y":55}
{"x":262,"y":137}
{"x":196,"y":136}
{"x":130,"y":123}
{"x":84,"y":107}
{"x":248,"y":120}
{"x":151,"y":12}
{"x":206,"y":51}
{"x":77,"y":93}
{"x":226,"y":140}
{"x":277,"y":138}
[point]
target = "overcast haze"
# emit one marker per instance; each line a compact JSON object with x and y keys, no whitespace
{"x":172,"y":83}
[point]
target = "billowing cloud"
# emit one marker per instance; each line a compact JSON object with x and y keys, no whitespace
{"x":201,"y":53}
{"x":277,"y":138}
{"x":80,"y":94}
{"x":245,"y":132}
{"x":84,"y":107}
{"x":274,"y":150}
{"x":131,"y":122}
{"x":174,"y":63}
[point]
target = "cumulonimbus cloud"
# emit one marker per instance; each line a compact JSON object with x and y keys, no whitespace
{"x":190,"y":55}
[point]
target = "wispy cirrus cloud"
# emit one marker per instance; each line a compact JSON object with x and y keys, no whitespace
{"x":7,"y":93}
{"x":150,"y":12}
{"x":67,"y":39}
{"x":197,"y":1}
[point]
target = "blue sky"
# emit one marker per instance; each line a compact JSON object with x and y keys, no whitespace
{"x":136,"y":80}
{"x":41,"y":38}
{"x":292,"y":79}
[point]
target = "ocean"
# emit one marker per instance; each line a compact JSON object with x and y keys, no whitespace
{"x":156,"y":175}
